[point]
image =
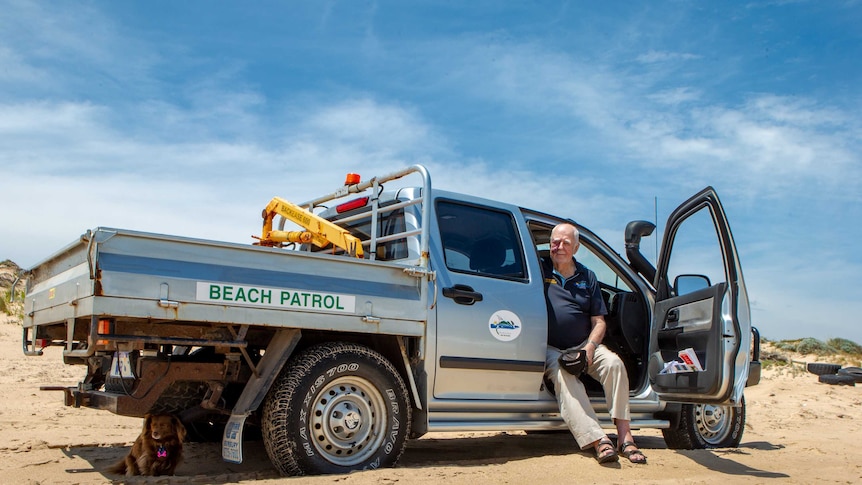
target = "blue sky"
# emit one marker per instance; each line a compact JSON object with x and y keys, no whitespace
{"x":187,"y":117}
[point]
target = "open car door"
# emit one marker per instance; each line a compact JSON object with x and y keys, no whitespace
{"x":701,"y":306}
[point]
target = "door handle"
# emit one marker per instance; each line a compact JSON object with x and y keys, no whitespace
{"x":673,"y":317}
{"x":462,"y":294}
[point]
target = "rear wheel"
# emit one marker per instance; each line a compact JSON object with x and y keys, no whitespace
{"x":336,"y":408}
{"x":707,"y":426}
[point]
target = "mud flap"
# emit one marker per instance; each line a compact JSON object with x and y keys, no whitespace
{"x":231,"y":443}
{"x":277,"y":352}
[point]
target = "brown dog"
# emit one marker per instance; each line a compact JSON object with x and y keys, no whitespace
{"x":157,"y":451}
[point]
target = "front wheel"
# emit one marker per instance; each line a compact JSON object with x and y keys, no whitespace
{"x":336,"y":408}
{"x":707,"y":426}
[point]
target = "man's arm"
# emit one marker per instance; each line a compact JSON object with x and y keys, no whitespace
{"x":597,"y":334}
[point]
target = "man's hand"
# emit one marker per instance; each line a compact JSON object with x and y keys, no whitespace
{"x":590,"y":348}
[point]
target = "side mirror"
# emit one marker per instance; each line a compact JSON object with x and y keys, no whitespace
{"x":689,"y":283}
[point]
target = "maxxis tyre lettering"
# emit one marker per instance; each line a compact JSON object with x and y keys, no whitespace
{"x":707,"y":426}
{"x":819,"y":368}
{"x":336,"y":408}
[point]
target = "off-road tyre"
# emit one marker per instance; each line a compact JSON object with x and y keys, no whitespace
{"x":819,"y":369}
{"x":335,"y":408}
{"x":837,"y":380}
{"x":854,"y":372}
{"x":704,"y":426}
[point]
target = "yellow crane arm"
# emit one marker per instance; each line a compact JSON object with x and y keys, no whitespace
{"x":318,"y":230}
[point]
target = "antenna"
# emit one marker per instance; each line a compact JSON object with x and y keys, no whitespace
{"x":657,"y":232}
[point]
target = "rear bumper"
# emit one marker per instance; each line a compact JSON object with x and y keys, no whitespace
{"x":157,"y":377}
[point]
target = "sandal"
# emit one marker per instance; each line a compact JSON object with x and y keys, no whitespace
{"x":634,"y":456}
{"x":605,"y":452}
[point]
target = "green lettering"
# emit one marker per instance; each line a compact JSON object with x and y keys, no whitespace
{"x":215,"y":292}
{"x":266,"y":296}
{"x":285,"y":295}
{"x":295,"y":300}
{"x":252,"y":295}
{"x":338,"y":303}
{"x":315,"y":300}
{"x":328,"y":301}
{"x":240,"y":294}
{"x":228,"y":292}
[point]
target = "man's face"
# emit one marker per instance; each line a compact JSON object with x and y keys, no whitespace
{"x":564,"y":245}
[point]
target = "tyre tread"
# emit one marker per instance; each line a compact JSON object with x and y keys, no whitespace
{"x":838,"y":379}
{"x":821,"y":368}
{"x":854,"y":372}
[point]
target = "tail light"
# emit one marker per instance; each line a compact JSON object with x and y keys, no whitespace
{"x":106,"y":327}
{"x":350,"y":205}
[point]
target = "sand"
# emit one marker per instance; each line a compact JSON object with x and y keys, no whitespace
{"x":798,"y":431}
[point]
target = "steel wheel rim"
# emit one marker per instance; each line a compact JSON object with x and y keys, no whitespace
{"x":713,"y":422}
{"x":347,"y":420}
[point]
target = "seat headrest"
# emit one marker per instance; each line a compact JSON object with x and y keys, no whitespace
{"x":487,"y":254}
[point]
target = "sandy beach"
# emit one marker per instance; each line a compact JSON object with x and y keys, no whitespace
{"x":798,"y":431}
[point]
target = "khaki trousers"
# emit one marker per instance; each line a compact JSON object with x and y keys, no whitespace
{"x":575,"y":407}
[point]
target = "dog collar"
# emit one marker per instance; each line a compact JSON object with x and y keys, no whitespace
{"x":162,"y":452}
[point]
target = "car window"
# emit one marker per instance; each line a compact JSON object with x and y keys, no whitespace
{"x":587,"y":255}
{"x":605,"y":274}
{"x":480,"y":240}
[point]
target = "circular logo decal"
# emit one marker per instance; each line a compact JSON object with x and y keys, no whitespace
{"x":504,"y":325}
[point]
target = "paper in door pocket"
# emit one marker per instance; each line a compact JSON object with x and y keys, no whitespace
{"x":689,"y":357}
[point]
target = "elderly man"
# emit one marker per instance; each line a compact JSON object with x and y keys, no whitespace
{"x":576,"y":321}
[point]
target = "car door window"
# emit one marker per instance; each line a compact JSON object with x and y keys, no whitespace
{"x":480,"y":241}
{"x":695,"y":251}
{"x":606,"y":275}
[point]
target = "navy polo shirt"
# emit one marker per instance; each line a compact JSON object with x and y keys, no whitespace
{"x":571,"y":303}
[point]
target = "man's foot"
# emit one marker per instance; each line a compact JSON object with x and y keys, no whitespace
{"x":605,"y":452}
{"x":630,"y":450}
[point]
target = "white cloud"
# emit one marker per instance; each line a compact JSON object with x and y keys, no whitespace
{"x":676,"y":96}
{"x":76,"y":40}
{"x":678,"y":133}
{"x":372,"y":126}
{"x":654,"y":56}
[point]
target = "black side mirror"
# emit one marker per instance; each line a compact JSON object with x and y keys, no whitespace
{"x":689,"y":283}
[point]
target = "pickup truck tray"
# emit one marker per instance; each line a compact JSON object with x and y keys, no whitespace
{"x":155,"y":278}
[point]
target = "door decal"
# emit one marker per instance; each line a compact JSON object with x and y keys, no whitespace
{"x":504,"y":325}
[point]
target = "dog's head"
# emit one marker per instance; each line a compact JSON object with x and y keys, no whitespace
{"x":162,"y":427}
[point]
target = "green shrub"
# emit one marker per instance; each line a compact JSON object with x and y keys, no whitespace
{"x":7,"y":306}
{"x":787,"y":345}
{"x":844,"y":345}
{"x":806,"y":346}
{"x":813,"y":346}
